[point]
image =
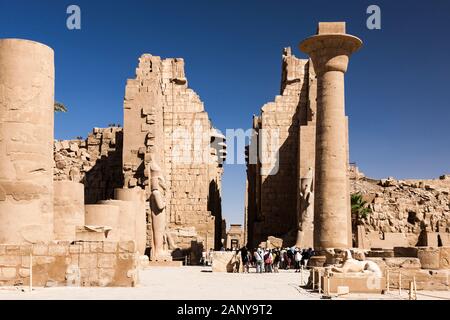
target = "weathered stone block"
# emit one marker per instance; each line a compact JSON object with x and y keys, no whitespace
{"x":73,"y":259}
{"x":13,"y":249}
{"x":125,"y":256}
{"x":86,"y":246}
{"x":39,"y":260}
{"x":8,"y":273}
{"x":40,"y":249}
{"x":24,"y":272}
{"x":88,"y":260}
{"x":25,"y":262}
{"x":402,"y":262}
{"x":96,"y":247}
{"x":356,"y":282}
{"x":25,"y":249}
{"x":224,"y":261}
{"x":105,"y":276}
{"x":106,"y":260}
{"x":444,"y":257}
{"x":127,"y":246}
{"x":10,"y":261}
{"x":57,"y":250}
{"x":429,"y":257}
{"x":110,"y":246}
{"x":75,"y":248}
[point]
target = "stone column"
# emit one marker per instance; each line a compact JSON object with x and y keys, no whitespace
{"x":329,"y":51}
{"x":27,"y":78}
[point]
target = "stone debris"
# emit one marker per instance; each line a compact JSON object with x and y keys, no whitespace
{"x":405,"y":206}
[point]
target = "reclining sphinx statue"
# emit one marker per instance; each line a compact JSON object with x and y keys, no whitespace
{"x":351,"y":265}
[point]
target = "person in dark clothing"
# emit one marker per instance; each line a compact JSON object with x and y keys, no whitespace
{"x":306,"y":255}
{"x":245,"y":259}
{"x":290,"y":259}
{"x":276,"y":260}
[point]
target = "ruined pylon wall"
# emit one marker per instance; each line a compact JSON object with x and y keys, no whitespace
{"x":159,"y":98}
{"x":273,"y":180}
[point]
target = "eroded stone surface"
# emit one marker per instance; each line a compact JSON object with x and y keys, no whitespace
{"x":26,"y":131}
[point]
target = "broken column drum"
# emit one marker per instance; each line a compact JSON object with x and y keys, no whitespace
{"x":104,"y":215}
{"x":26,"y":141}
{"x":127,"y":215}
{"x":137,"y":196}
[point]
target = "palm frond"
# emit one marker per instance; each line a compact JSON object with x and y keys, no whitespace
{"x":59,"y":107}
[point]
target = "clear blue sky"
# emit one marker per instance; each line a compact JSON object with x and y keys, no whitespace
{"x":397,"y":86}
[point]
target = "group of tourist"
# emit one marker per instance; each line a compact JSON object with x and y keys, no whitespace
{"x":271,"y":260}
{"x":207,"y":257}
{"x":265,"y":260}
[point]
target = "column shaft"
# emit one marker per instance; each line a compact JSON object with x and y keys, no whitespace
{"x":331,"y":225}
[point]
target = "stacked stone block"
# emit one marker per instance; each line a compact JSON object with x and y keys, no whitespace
{"x":417,"y":209}
{"x":64,"y":263}
{"x":165,"y":120}
{"x":96,"y":162}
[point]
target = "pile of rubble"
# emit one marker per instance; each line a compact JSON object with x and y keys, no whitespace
{"x":405,"y":206}
{"x":96,"y":162}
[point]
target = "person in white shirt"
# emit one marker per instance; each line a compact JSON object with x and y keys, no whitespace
{"x":297,"y":258}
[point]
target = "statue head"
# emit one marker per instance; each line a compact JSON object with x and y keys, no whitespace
{"x":306,"y":183}
{"x":347,"y":255}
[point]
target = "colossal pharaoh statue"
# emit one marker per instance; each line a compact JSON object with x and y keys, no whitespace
{"x":306,"y":211}
{"x":161,"y":239}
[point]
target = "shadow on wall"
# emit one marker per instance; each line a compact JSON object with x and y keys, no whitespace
{"x":273,"y":212}
{"x":191,"y":256}
{"x":215,"y":207}
{"x":106,"y":175}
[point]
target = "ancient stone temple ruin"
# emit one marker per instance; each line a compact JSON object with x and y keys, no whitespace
{"x":168,"y":133}
{"x":287,"y":127}
{"x":291,"y":158}
{"x":85,"y":211}
{"x":167,"y":148}
{"x":95,"y":211}
{"x":283,"y":176}
{"x":300,"y":182}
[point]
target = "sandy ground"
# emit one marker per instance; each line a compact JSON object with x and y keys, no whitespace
{"x":198,"y":283}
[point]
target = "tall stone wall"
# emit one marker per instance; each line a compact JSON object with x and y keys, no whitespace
{"x":273,"y":180}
